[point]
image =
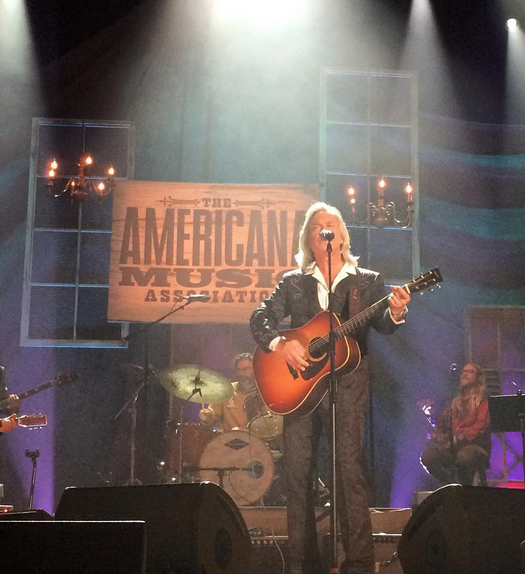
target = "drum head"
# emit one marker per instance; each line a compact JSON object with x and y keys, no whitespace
{"x":239,"y":462}
{"x":268,"y":426}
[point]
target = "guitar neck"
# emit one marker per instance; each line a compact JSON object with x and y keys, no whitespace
{"x":361,"y":319}
{"x":5,"y":402}
{"x":349,"y":327}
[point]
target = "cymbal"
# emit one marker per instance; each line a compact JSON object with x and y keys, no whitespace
{"x":196,"y":384}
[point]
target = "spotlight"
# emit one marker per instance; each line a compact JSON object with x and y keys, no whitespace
{"x":511,"y":24}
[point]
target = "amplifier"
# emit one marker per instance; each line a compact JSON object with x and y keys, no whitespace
{"x":269,"y":553}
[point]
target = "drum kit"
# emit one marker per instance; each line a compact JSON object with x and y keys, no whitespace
{"x":243,"y":461}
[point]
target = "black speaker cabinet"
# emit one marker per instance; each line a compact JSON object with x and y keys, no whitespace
{"x":190,"y":528}
{"x":33,"y":515}
{"x":465,"y":530}
{"x":44,"y":547}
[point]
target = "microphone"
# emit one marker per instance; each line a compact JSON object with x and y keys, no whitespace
{"x":327,"y":235}
{"x":196,"y":297}
{"x":453,"y":368}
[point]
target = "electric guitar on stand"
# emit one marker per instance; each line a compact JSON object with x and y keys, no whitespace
{"x":285,"y":390}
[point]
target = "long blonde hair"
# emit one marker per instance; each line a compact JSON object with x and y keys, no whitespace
{"x":468,"y":398}
{"x":305,"y":256}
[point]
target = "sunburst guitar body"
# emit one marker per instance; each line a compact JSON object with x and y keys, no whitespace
{"x":287,"y":391}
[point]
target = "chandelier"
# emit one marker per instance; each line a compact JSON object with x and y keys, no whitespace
{"x":83,"y":186}
{"x":380,"y":214}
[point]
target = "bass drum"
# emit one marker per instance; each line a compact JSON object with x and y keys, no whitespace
{"x":240,"y":463}
{"x":185,"y":443}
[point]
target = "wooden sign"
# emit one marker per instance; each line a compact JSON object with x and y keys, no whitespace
{"x":231,"y":242}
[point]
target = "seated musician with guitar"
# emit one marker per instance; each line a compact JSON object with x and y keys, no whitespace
{"x":469,"y":429}
{"x":291,"y":370}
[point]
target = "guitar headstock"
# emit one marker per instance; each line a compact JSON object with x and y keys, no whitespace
{"x":32,"y":421}
{"x":65,"y":378}
{"x":425,"y":281}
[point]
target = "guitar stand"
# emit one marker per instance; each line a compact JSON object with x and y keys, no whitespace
{"x":33,"y":455}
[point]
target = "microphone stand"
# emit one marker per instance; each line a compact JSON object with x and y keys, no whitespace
{"x":333,"y":417}
{"x":131,"y":402}
{"x":33,"y":455}
{"x":450,"y":430}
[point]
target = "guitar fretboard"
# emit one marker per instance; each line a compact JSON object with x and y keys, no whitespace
{"x":352,"y":325}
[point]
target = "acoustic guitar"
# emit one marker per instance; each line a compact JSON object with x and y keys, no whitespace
{"x":285,"y":390}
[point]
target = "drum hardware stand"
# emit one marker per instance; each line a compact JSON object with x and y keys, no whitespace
{"x":221,"y":471}
{"x":132,"y":401}
{"x":450,"y":431}
{"x":33,"y":455}
{"x":196,"y":391}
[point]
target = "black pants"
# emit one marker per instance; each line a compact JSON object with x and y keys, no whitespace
{"x":439,"y":463}
{"x":301,"y":441}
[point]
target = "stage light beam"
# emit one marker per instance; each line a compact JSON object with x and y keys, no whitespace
{"x":511,"y":24}
{"x":263,"y":12}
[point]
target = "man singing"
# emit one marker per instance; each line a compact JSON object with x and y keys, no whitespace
{"x":301,"y":295}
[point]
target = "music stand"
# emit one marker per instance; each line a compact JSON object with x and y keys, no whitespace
{"x":507,"y":414}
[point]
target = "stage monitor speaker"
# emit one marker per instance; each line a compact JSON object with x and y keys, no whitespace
{"x":190,"y":528}
{"x":465,"y":530}
{"x":33,"y":515}
{"x":44,"y":547}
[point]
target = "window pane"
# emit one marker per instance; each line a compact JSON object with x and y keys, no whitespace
{"x":52,"y":311}
{"x":512,"y":333}
{"x":391,"y":102}
{"x":347,"y":149}
{"x":54,"y":257}
{"x":54,"y":212}
{"x":93,"y":316}
{"x":94,"y":258}
{"x":347,"y":99}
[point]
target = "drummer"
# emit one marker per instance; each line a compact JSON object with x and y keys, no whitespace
{"x":231,"y":414}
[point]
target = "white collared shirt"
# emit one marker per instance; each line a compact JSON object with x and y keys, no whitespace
{"x":322,"y":287}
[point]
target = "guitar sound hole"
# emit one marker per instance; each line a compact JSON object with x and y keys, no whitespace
{"x":317,"y":348}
